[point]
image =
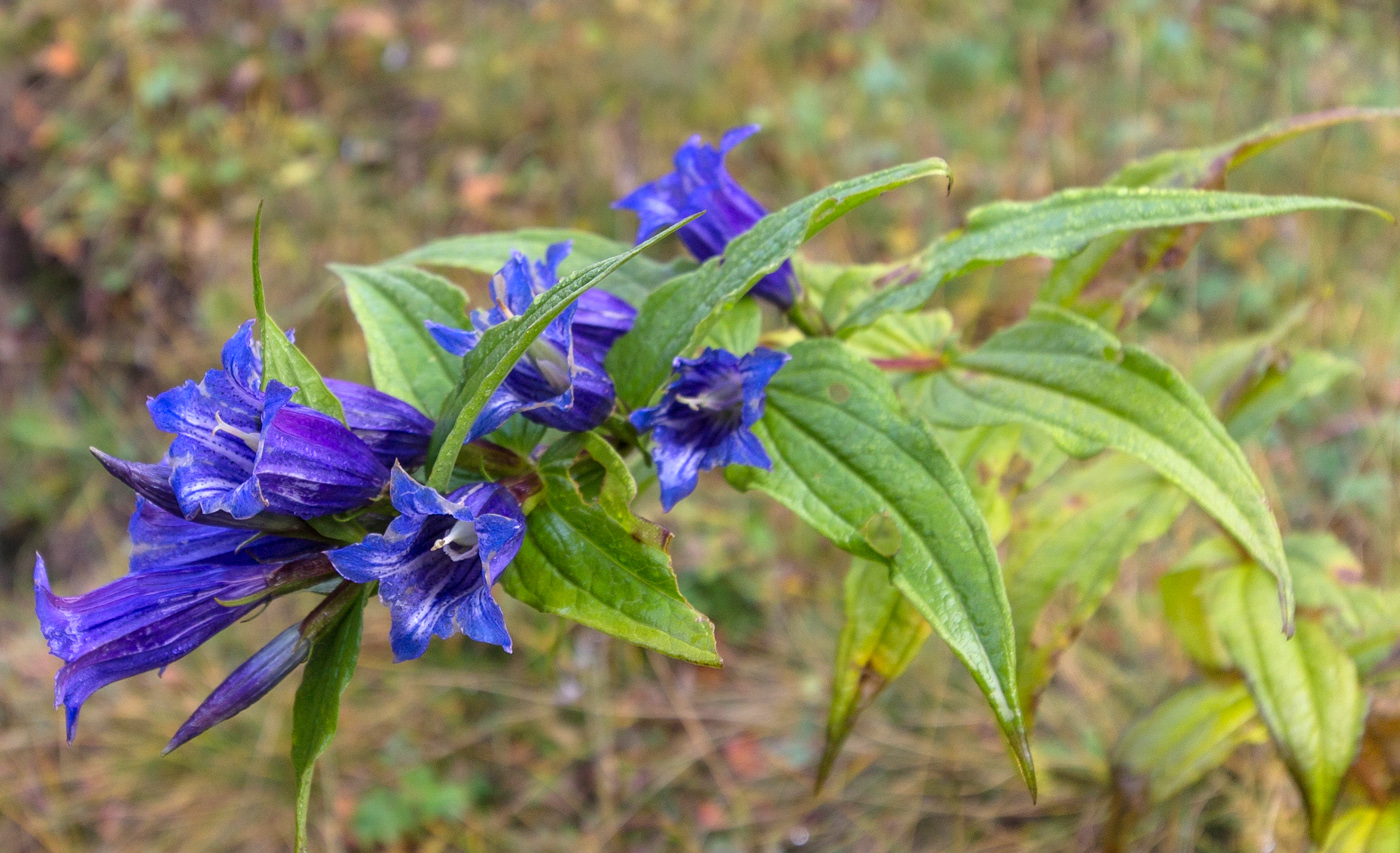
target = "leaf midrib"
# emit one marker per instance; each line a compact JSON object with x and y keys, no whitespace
{"x":927,"y":554}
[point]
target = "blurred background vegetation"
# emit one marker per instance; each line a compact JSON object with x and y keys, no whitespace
{"x":137,"y":138}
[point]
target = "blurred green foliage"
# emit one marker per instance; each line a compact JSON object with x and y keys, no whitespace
{"x":136,"y":140}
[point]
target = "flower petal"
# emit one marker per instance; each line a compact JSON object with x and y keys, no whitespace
{"x":701,"y":182}
{"x":310,"y":464}
{"x":427,"y":591}
{"x":393,"y":430}
{"x":162,"y":541}
{"x":136,"y":623}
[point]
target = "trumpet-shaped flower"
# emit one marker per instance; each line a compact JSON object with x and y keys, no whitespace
{"x":169,"y":603}
{"x":437,"y":561}
{"x":701,"y":182}
{"x":560,"y":381}
{"x":242,"y":451}
{"x":705,"y":418}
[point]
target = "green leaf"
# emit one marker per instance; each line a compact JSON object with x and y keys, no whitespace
{"x":500,"y":347}
{"x":912,"y":341}
{"x":1326,"y":572}
{"x":391,"y":305}
{"x":520,"y":434}
{"x":834,"y":289}
{"x":1063,"y":373}
{"x":601,"y":566}
{"x":1365,"y":829}
{"x":1208,"y":165}
{"x":487,"y":253}
{"x":883,"y":633}
{"x":1229,"y":364}
{"x":1185,"y":614}
{"x":316,"y":711}
{"x":1201,"y":168}
{"x":676,"y":317}
{"x":851,"y":463}
{"x":1065,"y":560}
{"x":1059,"y":225}
{"x":1378,"y":616}
{"x":1281,"y":386}
{"x":737,"y":328}
{"x":280,"y":358}
{"x":1185,"y":737}
{"x":984,"y":455}
{"x":1306,"y":687}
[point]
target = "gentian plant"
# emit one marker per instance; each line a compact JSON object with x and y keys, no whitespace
{"x":833,"y":389}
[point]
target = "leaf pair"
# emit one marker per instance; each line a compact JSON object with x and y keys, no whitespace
{"x":1306,"y":688}
{"x":1063,"y":373}
{"x":1083,"y":228}
{"x":850,"y":462}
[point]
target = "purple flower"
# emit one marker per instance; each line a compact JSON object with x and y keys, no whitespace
{"x":247,"y":684}
{"x":394,"y":430}
{"x":704,"y":419}
{"x":560,"y":381}
{"x":437,"y":562}
{"x":242,"y":451}
{"x":169,"y":604}
{"x":161,"y":540}
{"x":700,"y":182}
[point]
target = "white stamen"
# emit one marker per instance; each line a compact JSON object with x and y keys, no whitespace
{"x":552,"y":364}
{"x":252,"y":439}
{"x":460,"y":542}
{"x":718,"y":399}
{"x":498,"y":286}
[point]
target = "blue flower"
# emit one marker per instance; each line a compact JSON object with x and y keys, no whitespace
{"x":700,"y":182}
{"x":437,"y":561}
{"x":393,"y":430}
{"x":242,"y":451}
{"x":704,"y":419}
{"x":560,"y":381}
{"x":170,"y":603}
{"x":247,"y":684}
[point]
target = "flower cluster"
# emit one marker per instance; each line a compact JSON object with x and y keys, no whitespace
{"x":252,"y":498}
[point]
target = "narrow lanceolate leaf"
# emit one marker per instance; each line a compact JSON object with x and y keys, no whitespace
{"x":676,"y":317}
{"x":1188,"y":735}
{"x":1208,"y":165}
{"x":391,"y":304}
{"x":280,"y":357}
{"x":486,"y":253}
{"x":316,"y":711}
{"x":601,"y":566}
{"x":1201,"y":168}
{"x":1365,"y":829}
{"x":500,"y":348}
{"x":1077,"y":533}
{"x":1280,"y":386}
{"x":1063,"y":373}
{"x":1306,"y":688}
{"x":883,"y":633}
{"x":1061,"y":224}
{"x":850,"y":462}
